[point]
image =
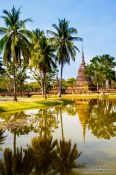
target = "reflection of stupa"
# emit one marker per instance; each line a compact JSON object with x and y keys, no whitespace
{"x":83,"y":114}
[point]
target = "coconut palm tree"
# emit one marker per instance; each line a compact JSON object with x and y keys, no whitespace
{"x":15,"y":41}
{"x":63,"y":40}
{"x":42,"y":57}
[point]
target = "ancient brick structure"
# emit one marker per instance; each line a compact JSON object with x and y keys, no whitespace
{"x":82,"y":83}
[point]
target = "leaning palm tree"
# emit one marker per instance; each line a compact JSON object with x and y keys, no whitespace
{"x":42,"y":57}
{"x":64,"y":42}
{"x":15,"y":41}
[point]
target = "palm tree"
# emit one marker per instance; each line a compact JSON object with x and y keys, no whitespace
{"x":42,"y":57}
{"x":15,"y":41}
{"x":64,"y":42}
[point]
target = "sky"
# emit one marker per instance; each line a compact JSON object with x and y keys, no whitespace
{"x":95,"y":21}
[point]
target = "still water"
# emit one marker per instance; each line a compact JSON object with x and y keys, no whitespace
{"x":73,"y":140}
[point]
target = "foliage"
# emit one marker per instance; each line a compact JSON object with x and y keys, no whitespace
{"x":63,"y":40}
{"x":1,"y":68}
{"x":42,"y":56}
{"x":101,"y":70}
{"x":71,"y":83}
{"x":14,"y":44}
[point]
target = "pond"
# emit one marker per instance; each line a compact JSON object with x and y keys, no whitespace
{"x":73,"y":140}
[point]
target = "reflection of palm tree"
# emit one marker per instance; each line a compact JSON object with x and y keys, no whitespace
{"x":44,"y":154}
{"x":17,"y":128}
{"x":21,"y":163}
{"x":102,"y":118}
{"x":2,"y":138}
{"x":66,"y":157}
{"x":62,"y":130}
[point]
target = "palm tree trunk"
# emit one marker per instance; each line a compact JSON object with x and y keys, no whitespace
{"x":60,"y":89}
{"x":45,"y":95}
{"x":14,"y":79}
{"x":42,"y":84}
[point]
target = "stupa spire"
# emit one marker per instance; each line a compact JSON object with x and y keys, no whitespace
{"x":83,"y":59}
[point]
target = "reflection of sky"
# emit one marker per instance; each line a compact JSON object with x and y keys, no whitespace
{"x":94,"y":151}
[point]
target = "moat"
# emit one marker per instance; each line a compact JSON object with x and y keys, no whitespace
{"x":73,"y":140}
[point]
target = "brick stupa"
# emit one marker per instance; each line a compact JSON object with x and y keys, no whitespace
{"x":82,"y":83}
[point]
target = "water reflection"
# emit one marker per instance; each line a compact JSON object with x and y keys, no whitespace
{"x":102,"y":119}
{"x":99,"y":116}
{"x":46,"y":154}
{"x":43,"y":156}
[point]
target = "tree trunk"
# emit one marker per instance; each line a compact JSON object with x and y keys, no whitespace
{"x":14,"y":79}
{"x":45,"y":95}
{"x":97,"y":86}
{"x":60,"y":89}
{"x":42,"y":84}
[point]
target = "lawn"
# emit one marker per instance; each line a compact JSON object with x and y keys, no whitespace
{"x":29,"y":103}
{"x":36,"y":101}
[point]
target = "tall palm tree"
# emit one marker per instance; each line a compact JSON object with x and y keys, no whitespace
{"x":42,"y":56}
{"x":15,"y":41}
{"x":64,"y":42}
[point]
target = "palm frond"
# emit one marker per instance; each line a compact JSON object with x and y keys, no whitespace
{"x":3,"y":30}
{"x":3,"y":42}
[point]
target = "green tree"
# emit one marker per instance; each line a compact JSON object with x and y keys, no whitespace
{"x":15,"y":42}
{"x":42,"y":57}
{"x":63,"y":40}
{"x":101,"y":70}
{"x":71,"y":83}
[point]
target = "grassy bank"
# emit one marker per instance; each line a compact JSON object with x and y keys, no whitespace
{"x":29,"y":103}
{"x":37,"y":101}
{"x":81,"y":96}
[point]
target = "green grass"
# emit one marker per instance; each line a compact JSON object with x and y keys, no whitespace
{"x":37,"y":101}
{"x":80,"y":96}
{"x":9,"y":106}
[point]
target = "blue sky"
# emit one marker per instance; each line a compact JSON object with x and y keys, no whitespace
{"x":94,"y":19}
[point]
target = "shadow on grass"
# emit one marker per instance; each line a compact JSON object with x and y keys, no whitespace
{"x":49,"y":103}
{"x":2,"y":109}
